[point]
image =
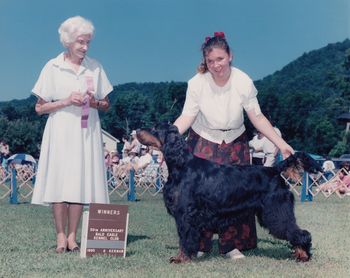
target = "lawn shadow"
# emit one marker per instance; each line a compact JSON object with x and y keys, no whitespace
{"x":273,"y":249}
{"x":133,"y":238}
{"x":168,"y":247}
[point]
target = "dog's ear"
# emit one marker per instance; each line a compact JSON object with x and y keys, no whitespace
{"x":148,"y":139}
{"x":175,"y":147}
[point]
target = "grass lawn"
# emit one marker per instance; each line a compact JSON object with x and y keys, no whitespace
{"x":27,"y":244}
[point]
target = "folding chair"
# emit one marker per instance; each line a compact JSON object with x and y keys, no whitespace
{"x":334,"y":184}
{"x":118,"y":182}
{"x":5,"y":186}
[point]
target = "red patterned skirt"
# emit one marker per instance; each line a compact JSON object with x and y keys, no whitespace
{"x":241,"y":235}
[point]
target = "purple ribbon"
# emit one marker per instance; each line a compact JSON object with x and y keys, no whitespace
{"x":86,"y":103}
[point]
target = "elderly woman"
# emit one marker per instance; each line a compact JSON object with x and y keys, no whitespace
{"x":71,"y":89}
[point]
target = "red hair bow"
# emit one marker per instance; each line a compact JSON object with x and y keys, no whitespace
{"x":216,"y":34}
{"x":219,"y":34}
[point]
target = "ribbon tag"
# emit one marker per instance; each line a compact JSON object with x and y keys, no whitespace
{"x":86,"y":103}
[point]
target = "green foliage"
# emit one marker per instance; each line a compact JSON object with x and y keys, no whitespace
{"x":342,"y":146}
{"x":134,"y":106}
{"x":303,"y":99}
{"x":23,"y":136}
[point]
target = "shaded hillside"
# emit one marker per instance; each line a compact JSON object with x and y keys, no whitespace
{"x":306,"y":96}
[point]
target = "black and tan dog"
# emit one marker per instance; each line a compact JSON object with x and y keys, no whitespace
{"x":200,"y":194}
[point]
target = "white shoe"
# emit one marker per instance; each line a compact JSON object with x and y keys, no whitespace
{"x":200,"y":254}
{"x":234,"y":254}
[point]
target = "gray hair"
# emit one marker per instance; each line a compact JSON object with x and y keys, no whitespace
{"x":74,"y":27}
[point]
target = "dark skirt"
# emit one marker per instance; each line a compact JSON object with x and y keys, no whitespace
{"x":242,"y":234}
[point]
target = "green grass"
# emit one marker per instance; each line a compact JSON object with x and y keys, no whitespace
{"x":27,"y":244}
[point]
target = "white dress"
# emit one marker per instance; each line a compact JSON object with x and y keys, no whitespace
{"x":71,"y":164}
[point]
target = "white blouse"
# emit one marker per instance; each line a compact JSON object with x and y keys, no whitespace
{"x":219,"y":110}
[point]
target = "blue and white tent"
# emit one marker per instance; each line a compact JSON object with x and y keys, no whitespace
{"x":21,"y":158}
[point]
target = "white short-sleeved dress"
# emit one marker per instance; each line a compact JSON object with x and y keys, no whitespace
{"x":71,"y":163}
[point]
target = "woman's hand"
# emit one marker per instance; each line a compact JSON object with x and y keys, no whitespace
{"x":264,"y":126}
{"x":93,"y":102}
{"x":183,"y":123}
{"x":286,"y":150}
{"x":101,"y":104}
{"x":76,"y":98}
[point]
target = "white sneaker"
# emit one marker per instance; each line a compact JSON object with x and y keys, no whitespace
{"x":234,"y":254}
{"x":200,"y":254}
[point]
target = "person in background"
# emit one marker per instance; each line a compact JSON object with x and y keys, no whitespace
{"x":5,"y":151}
{"x":213,"y":113}
{"x":270,"y":150}
{"x":71,"y":89}
{"x":256,"y":146}
{"x":144,"y":160}
{"x":126,"y":146}
{"x":107,"y":160}
{"x":264,"y":151}
{"x":328,"y":167}
{"x":135,"y":145}
{"x":115,"y":162}
{"x":1,"y":152}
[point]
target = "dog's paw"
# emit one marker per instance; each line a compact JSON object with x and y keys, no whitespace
{"x":179,"y":259}
{"x":300,"y":255}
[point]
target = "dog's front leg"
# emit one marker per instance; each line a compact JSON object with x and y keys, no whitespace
{"x":188,"y":240}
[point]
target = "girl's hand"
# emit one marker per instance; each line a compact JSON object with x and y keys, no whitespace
{"x":286,"y":151}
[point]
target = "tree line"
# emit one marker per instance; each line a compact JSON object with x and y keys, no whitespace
{"x":303,"y":100}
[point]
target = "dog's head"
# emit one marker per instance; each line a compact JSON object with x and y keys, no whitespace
{"x":166,"y":138}
{"x":307,"y":163}
{"x":295,"y":165}
{"x":159,"y":136}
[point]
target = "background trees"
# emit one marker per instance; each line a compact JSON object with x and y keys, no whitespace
{"x":303,"y":99}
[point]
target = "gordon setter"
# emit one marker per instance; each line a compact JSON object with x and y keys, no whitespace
{"x":201,"y":194}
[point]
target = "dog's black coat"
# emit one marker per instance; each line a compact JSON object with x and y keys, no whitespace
{"x":201,"y":194}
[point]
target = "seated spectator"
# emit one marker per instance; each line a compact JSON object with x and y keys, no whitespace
{"x":132,"y":157}
{"x":135,"y":145}
{"x":115,"y":162}
{"x":328,"y":168}
{"x":125,"y":164}
{"x":4,"y":152}
{"x":339,"y":183}
{"x":107,"y":160}
{"x":144,"y":160}
{"x":126,"y":146}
